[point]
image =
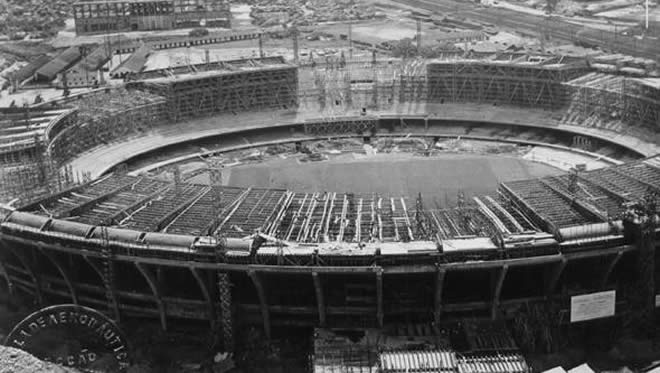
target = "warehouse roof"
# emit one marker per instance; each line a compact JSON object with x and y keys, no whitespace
{"x":97,"y":58}
{"x":133,"y":64}
{"x":59,"y":63}
{"x":28,"y":70}
{"x":205,"y":71}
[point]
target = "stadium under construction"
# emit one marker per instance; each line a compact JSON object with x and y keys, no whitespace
{"x":97,"y":230}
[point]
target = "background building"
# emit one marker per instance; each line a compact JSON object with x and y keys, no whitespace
{"x":141,"y":15}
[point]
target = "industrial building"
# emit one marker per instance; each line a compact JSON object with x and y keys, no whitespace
{"x":142,"y":15}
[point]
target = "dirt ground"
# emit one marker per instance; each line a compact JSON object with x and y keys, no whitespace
{"x":405,"y":175}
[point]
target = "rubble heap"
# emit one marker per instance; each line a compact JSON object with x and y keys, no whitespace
{"x":18,"y":361}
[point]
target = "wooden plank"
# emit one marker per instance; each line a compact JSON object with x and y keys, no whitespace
{"x":358,"y":221}
{"x":380,"y":221}
{"x":342,"y":220}
{"x":397,"y":237}
{"x":303,"y":232}
{"x":408,"y":225}
{"x":296,"y":216}
{"x":329,"y":216}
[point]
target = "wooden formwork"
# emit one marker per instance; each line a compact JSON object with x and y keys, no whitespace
{"x":203,"y":94}
{"x":123,"y":124}
{"x":515,"y":84}
{"x":614,"y":103}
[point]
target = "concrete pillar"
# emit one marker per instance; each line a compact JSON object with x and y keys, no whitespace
{"x":226,"y":317}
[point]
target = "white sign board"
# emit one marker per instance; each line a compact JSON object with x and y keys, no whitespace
{"x":657,"y":300}
{"x":593,"y":306}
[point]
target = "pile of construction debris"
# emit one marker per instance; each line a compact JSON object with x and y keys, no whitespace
{"x":18,"y":361}
{"x":266,"y":13}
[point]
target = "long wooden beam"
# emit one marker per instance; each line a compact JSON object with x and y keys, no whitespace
{"x":151,"y":281}
{"x":206,"y":294}
{"x":26,"y":265}
{"x":554,"y":276}
{"x":263,"y":302}
{"x":94,"y":266}
{"x":320,"y":301}
{"x":505,"y":213}
{"x":5,"y":274}
{"x":575,"y":203}
{"x":498,"y":291}
{"x":610,"y":267}
{"x":437,"y":301}
{"x":63,"y":273}
{"x":171,"y":216}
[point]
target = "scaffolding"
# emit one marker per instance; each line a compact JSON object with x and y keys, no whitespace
{"x":335,"y":87}
{"x":105,"y":116}
{"x":34,"y":178}
{"x":26,"y":170}
{"x":614,"y":103}
{"x":232,"y":90}
{"x":508,"y":83}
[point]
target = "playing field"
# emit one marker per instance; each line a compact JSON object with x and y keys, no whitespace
{"x":438,"y":178}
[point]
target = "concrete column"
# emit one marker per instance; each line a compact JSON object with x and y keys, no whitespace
{"x":226,"y":318}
